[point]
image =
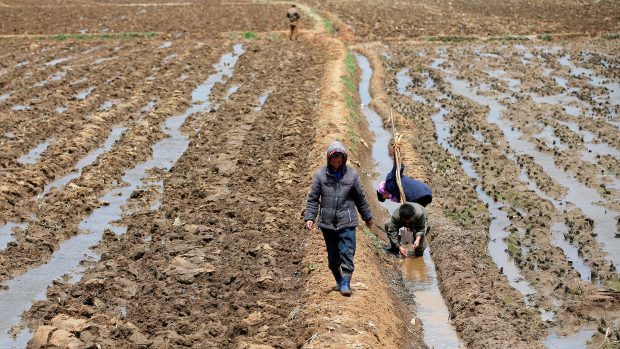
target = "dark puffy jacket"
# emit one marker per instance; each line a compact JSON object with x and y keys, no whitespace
{"x":337,"y":199}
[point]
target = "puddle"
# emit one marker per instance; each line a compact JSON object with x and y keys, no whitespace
{"x":78,"y":81}
{"x":502,"y":75}
{"x":107,"y":105}
{"x":478,"y":52}
{"x":592,"y":148}
{"x":437,"y":63}
{"x":498,"y":247}
{"x":224,"y":71}
{"x":231,"y":90}
{"x":58,"y":76}
{"x":546,"y":315}
{"x":612,"y":87}
{"x":20,"y":107}
{"x":32,"y":285}
{"x":547,"y":135}
{"x":56,"y":61}
{"x":34,"y":154}
{"x":567,"y":102}
{"x":54,"y":77}
{"x":585,"y":198}
{"x":429,"y":83}
{"x":431,"y":308}
{"x":5,"y":96}
{"x":531,"y":185}
{"x":150,"y":106}
{"x":156,"y":205}
{"x":403,"y":82}
{"x":478,"y":136}
{"x":576,"y":340}
{"x":101,"y":60}
{"x":261,"y":101}
{"x":114,"y":135}
{"x":82,"y":95}
{"x":558,"y":232}
{"x":6,"y":232}
{"x":170,"y":57}
{"x":61,"y":109}
{"x":166,"y":44}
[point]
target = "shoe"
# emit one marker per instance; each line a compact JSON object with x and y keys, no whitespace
{"x":338,"y":278}
{"x":345,"y":287}
{"x":392,"y":250}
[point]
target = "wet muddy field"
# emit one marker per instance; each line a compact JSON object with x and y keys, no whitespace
{"x":156,"y":168}
{"x":401,"y":19}
{"x":155,"y":159}
{"x":525,"y":132}
{"x":173,"y":18}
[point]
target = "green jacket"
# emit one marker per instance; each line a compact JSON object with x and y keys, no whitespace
{"x":394,"y":223}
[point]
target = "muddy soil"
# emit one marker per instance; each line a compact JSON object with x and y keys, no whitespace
{"x":377,"y":20}
{"x":468,"y":281}
{"x":520,"y":140}
{"x":209,"y":18}
{"x":530,"y":157}
{"x":225,"y":202}
{"x":54,"y":217}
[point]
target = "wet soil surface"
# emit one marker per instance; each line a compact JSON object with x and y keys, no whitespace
{"x":377,"y":20}
{"x":217,"y":263}
{"x":527,"y":125}
{"x":144,"y":16}
{"x":53,"y":217}
{"x":519,"y":140}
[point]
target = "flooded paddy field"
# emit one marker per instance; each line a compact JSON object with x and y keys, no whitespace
{"x":526,"y":132}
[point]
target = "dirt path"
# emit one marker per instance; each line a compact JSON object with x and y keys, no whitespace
{"x":333,"y":321}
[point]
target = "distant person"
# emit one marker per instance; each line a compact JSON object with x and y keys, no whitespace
{"x":293,"y":16}
{"x":335,"y":194}
{"x":410,"y":216}
{"x":415,"y":190}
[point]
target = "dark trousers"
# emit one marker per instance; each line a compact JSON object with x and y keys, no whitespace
{"x":340,"y":249}
{"x":425,"y":200}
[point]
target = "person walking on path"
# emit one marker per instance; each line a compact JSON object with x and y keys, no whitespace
{"x":335,"y":194}
{"x":293,"y":16}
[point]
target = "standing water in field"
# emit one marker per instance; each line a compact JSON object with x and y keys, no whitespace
{"x":418,"y":272}
{"x":34,"y":154}
{"x":31,"y":286}
{"x":585,"y":198}
{"x":114,"y":135}
{"x":6,"y":233}
{"x":500,"y":221}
